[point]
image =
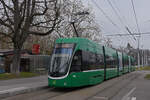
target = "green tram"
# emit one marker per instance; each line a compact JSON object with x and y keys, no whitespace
{"x":79,"y":62}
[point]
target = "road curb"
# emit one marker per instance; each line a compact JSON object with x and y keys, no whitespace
{"x":9,"y":93}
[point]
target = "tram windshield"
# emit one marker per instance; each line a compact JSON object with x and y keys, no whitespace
{"x":60,"y":59}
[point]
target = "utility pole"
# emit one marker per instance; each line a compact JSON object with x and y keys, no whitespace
{"x":138,"y":51}
{"x":146,"y":57}
{"x":142,"y":57}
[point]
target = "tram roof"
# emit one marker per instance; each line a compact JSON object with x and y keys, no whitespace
{"x":73,"y":40}
{"x":85,"y":44}
{"x":88,"y":44}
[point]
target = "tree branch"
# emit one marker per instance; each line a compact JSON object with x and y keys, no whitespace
{"x":5,"y":11}
{"x":48,"y":32}
{"x":5,"y":34}
{"x":3,"y":39}
{"x":33,"y":8}
{"x":21,"y":5}
{"x":5,"y":24}
{"x":36,"y":24}
{"x":45,"y":10}
{"x":2,"y":1}
{"x":44,"y":26}
{"x":23,"y":11}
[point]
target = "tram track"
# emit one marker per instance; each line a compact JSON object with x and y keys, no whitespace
{"x":58,"y":92}
{"x":55,"y":93}
{"x":103,"y":88}
{"x":113,"y":89}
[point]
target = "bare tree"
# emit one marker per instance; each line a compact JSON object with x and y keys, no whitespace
{"x":85,"y":24}
{"x":107,"y":42}
{"x":21,"y":18}
{"x":69,"y":11}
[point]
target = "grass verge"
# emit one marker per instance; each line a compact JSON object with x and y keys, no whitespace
{"x":6,"y":76}
{"x":144,"y":68}
{"x":147,"y":76}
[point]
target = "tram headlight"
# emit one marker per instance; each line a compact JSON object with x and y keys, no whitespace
{"x":54,"y":82}
{"x":65,"y":84}
{"x":74,"y":76}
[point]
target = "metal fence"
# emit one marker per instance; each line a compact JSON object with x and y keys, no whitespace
{"x":2,"y":69}
{"x":36,"y":63}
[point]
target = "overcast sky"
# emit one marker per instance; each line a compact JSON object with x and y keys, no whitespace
{"x":142,"y":8}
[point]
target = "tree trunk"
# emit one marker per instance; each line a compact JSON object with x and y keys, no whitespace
{"x":16,"y":62}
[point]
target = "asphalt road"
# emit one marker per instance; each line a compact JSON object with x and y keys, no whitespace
{"x":137,"y":89}
{"x":130,"y":86}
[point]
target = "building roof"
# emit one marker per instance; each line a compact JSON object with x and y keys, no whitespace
{"x":6,"y":52}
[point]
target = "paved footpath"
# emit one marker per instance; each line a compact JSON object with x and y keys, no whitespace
{"x":17,"y":86}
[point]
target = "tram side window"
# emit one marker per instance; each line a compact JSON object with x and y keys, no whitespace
{"x":99,"y":64}
{"x":111,"y":62}
{"x":126,"y":62}
{"x":76,"y":62}
{"x":132,"y":63}
{"x":92,"y":61}
{"x":85,"y":60}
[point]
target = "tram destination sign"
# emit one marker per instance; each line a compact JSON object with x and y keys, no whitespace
{"x":64,"y":45}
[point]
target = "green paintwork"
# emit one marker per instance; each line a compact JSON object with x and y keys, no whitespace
{"x":82,"y":44}
{"x":88,"y":77}
{"x":78,"y":79}
{"x":82,"y":78}
{"x":110,"y":73}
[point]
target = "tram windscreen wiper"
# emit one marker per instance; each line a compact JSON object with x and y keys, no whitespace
{"x":57,"y":69}
{"x":54,"y":73}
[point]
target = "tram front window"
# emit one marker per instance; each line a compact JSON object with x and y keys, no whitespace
{"x":60,"y":60}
